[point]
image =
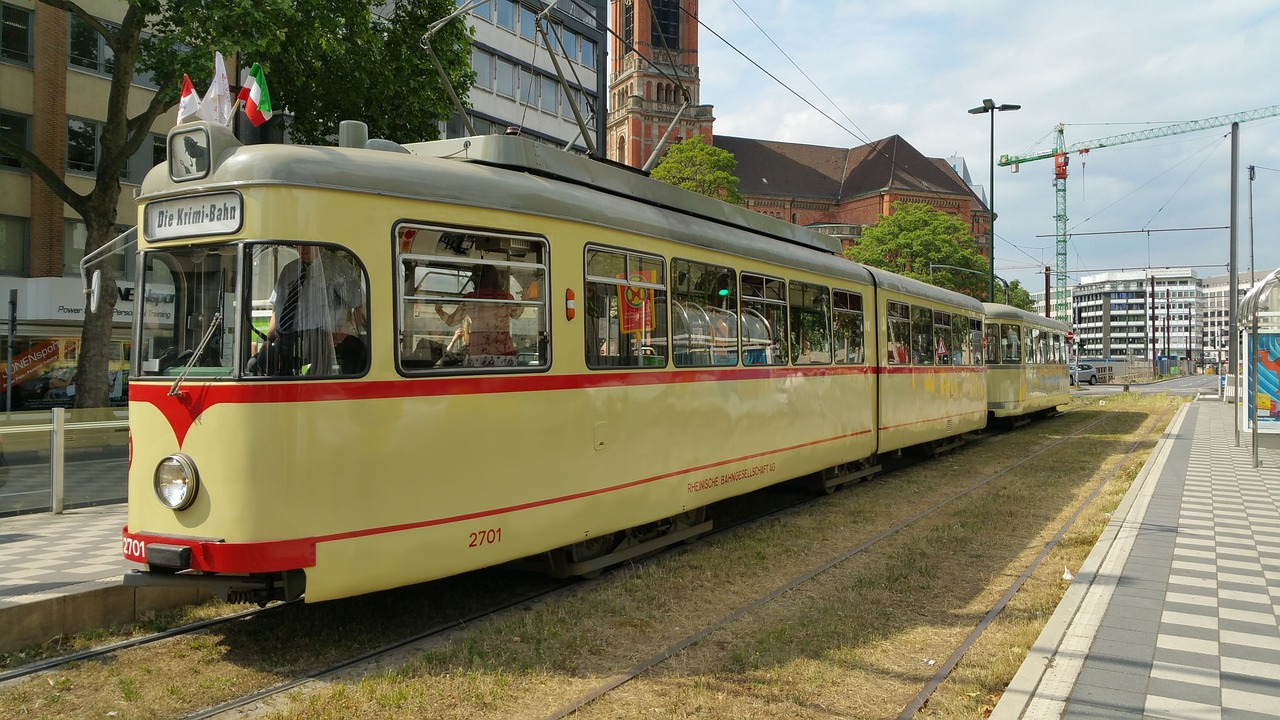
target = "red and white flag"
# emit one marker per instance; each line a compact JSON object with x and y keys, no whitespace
{"x":189,"y":105}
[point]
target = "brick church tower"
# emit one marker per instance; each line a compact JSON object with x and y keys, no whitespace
{"x":660,"y":53}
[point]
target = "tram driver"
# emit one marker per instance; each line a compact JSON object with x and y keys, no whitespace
{"x":317,"y":310}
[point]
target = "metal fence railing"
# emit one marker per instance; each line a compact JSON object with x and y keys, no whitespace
{"x":57,"y":459}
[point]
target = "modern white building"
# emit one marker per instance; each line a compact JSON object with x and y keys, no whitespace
{"x":517,"y":85}
{"x":1139,"y":314}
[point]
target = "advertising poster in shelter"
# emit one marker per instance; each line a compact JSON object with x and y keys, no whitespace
{"x":1265,"y":391}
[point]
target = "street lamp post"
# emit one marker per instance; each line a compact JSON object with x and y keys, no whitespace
{"x":988,"y":106}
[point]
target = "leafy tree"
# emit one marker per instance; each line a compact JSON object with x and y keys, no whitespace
{"x":694,"y":165}
{"x":915,"y":240}
{"x":1019,"y":297}
{"x":326,"y":60}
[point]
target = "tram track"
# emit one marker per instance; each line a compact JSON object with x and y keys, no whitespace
{"x":56,"y":663}
{"x":615,"y":682}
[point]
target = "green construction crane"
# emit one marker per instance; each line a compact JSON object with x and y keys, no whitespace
{"x":1060,"y":153}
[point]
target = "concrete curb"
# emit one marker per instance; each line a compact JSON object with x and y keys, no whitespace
{"x":28,"y":620}
{"x":1047,"y":654}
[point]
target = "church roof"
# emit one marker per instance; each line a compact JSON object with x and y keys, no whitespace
{"x":837,"y":174}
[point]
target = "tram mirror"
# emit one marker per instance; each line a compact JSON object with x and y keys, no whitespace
{"x":95,"y":290}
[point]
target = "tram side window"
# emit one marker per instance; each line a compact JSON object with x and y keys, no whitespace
{"x":849,"y":333}
{"x":1057,"y":350}
{"x":188,"y":321}
{"x":922,"y":347}
{"x":307,"y":312}
{"x":810,"y":324}
{"x":471,"y":300}
{"x":992,"y":342}
{"x":764,"y":320}
{"x":976,"y":343}
{"x":961,"y":349}
{"x":626,"y":309}
{"x":704,"y":314}
{"x":1011,"y":344}
{"x":899,"y":333}
{"x":942,"y":338}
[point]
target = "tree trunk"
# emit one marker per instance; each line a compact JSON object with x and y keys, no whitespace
{"x":92,"y":381}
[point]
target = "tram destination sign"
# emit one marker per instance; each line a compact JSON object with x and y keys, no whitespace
{"x":194,"y":215}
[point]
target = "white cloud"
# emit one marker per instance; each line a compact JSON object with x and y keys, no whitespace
{"x":914,"y":68}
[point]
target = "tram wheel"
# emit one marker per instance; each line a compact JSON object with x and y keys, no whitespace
{"x":697,"y":516}
{"x":590,"y":549}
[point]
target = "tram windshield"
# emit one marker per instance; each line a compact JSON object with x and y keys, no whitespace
{"x":303,"y":312}
{"x":188,"y":311}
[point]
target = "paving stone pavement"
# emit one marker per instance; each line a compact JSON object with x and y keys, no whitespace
{"x":46,"y":552}
{"x":1176,"y":614}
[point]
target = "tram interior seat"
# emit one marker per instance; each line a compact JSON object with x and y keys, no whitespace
{"x":757,"y":340}
{"x":425,"y":354}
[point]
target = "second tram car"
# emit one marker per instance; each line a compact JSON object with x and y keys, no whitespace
{"x":1026,"y":362}
{"x":361,"y":367}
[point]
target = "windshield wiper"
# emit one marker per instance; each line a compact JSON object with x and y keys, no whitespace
{"x":213,"y":326}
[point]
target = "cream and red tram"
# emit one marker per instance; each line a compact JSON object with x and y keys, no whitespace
{"x":666,"y":351}
{"x":1026,"y":359}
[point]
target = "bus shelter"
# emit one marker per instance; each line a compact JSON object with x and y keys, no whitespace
{"x":1260,"y":350}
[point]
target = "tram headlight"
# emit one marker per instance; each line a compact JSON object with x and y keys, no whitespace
{"x":177,"y":482}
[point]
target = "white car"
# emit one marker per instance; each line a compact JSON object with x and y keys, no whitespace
{"x":1084,"y":373}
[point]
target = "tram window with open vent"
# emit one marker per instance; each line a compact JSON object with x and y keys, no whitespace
{"x":704,"y":314}
{"x":847,"y":319}
{"x":922,"y":347}
{"x":810,"y":324}
{"x":961,"y":348}
{"x":1011,"y":344}
{"x":626,"y":309}
{"x":898,"y":336}
{"x":763,"y":322}
{"x":471,"y":300}
{"x":991,"y":343}
{"x":942,"y":342}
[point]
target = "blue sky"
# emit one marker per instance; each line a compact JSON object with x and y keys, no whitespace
{"x":915,"y":67}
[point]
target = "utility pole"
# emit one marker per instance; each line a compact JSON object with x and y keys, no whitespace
{"x":1233,"y":292}
{"x":1155,"y":329}
{"x":1048,"y":306}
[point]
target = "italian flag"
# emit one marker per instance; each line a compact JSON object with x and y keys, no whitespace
{"x":257,"y":102}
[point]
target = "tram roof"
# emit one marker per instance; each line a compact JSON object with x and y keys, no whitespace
{"x":1008,"y":312}
{"x":502,"y":172}
{"x":517,"y":153}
